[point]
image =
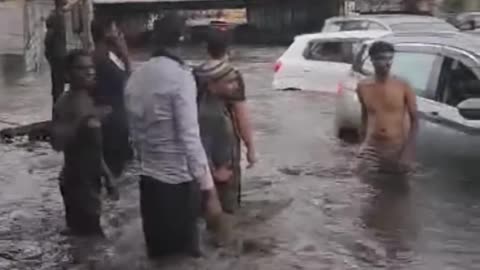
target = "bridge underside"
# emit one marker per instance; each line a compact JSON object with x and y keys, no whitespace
{"x":268,"y":20}
{"x":165,"y":5}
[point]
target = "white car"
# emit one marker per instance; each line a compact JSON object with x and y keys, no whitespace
{"x":318,"y":62}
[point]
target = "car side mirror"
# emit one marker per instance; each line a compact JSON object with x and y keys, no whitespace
{"x":470,"y":108}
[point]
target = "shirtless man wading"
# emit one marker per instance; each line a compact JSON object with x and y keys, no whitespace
{"x":389,"y":117}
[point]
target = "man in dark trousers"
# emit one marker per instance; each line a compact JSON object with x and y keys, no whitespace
{"x":160,"y":99}
{"x":56,"y":48}
{"x":112,"y":68}
{"x":76,"y":131}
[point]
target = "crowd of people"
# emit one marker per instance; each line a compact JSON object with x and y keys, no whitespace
{"x":185,"y":127}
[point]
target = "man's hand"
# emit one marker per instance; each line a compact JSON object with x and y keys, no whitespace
{"x":112,"y":190}
{"x":113,"y":193}
{"x":222,"y":174}
{"x":69,"y":4}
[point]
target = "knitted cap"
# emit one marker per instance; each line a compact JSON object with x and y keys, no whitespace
{"x":214,"y":70}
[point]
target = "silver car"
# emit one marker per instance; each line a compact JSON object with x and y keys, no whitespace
{"x":442,"y":68}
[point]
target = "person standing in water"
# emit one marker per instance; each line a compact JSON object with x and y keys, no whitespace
{"x":162,"y":113}
{"x":76,"y":131}
{"x":223,"y":106}
{"x":387,"y":104}
{"x":112,"y":73}
{"x":56,"y":48}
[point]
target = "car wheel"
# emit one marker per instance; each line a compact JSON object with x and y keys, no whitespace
{"x":348,"y":135}
{"x":291,"y":89}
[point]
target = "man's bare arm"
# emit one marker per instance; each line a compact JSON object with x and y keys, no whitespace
{"x":242,"y":119}
{"x":95,"y":125}
{"x":70,"y":4}
{"x":411,"y":104}
{"x":363,"y":126}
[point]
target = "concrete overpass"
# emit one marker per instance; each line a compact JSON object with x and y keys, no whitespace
{"x":268,"y":20}
{"x":142,"y":5}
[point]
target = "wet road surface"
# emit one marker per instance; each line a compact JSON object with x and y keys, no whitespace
{"x":303,"y":207}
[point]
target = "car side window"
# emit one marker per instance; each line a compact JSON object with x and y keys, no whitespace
{"x":413,"y":67}
{"x":354,"y":25}
{"x":331,"y":51}
{"x":457,"y":82}
{"x":333,"y":27}
{"x":376,"y":26}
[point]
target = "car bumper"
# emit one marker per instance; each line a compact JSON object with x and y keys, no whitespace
{"x":348,"y":114}
{"x":281,"y":83}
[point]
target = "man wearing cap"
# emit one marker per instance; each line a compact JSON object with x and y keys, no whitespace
{"x":224,"y":121}
{"x":162,"y":111}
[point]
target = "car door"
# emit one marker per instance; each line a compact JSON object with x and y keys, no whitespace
{"x":454,"y":136}
{"x":327,"y":62}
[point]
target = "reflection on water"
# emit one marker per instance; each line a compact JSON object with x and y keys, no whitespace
{"x":304,"y":208}
{"x":388,"y":215}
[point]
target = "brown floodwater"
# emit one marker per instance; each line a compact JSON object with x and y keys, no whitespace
{"x":303,"y":207}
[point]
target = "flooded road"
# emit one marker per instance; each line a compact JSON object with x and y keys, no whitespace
{"x":303,"y":208}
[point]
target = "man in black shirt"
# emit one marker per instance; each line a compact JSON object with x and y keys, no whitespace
{"x":56,"y":48}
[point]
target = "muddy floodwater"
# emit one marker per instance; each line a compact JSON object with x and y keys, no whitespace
{"x":303,"y":208}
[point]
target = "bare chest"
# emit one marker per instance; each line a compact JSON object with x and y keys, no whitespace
{"x":383,"y":99}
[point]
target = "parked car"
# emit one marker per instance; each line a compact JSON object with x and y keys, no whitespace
{"x":465,"y":21}
{"x":319,"y":61}
{"x":387,"y":22}
{"x":474,"y":32}
{"x":444,"y":71}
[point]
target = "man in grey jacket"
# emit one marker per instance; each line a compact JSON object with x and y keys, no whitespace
{"x":160,"y":99}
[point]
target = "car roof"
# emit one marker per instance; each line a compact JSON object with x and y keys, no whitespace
{"x":390,"y":18}
{"x":467,"y":15}
{"x":459,"y":40}
{"x":362,"y":34}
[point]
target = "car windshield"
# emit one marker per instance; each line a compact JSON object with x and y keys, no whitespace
{"x":431,"y":26}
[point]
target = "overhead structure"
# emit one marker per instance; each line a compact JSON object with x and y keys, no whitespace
{"x":142,"y":5}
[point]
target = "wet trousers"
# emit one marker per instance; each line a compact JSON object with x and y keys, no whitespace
{"x":57,"y":74}
{"x":116,"y":146}
{"x":82,"y":202}
{"x":169,"y":216}
{"x":382,"y":163}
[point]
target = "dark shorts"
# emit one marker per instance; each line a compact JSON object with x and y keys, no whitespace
{"x":169,"y":216}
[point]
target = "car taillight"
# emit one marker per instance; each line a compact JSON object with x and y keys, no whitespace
{"x":278,"y":66}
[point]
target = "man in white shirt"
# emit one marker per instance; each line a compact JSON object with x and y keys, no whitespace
{"x":161,"y":106}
